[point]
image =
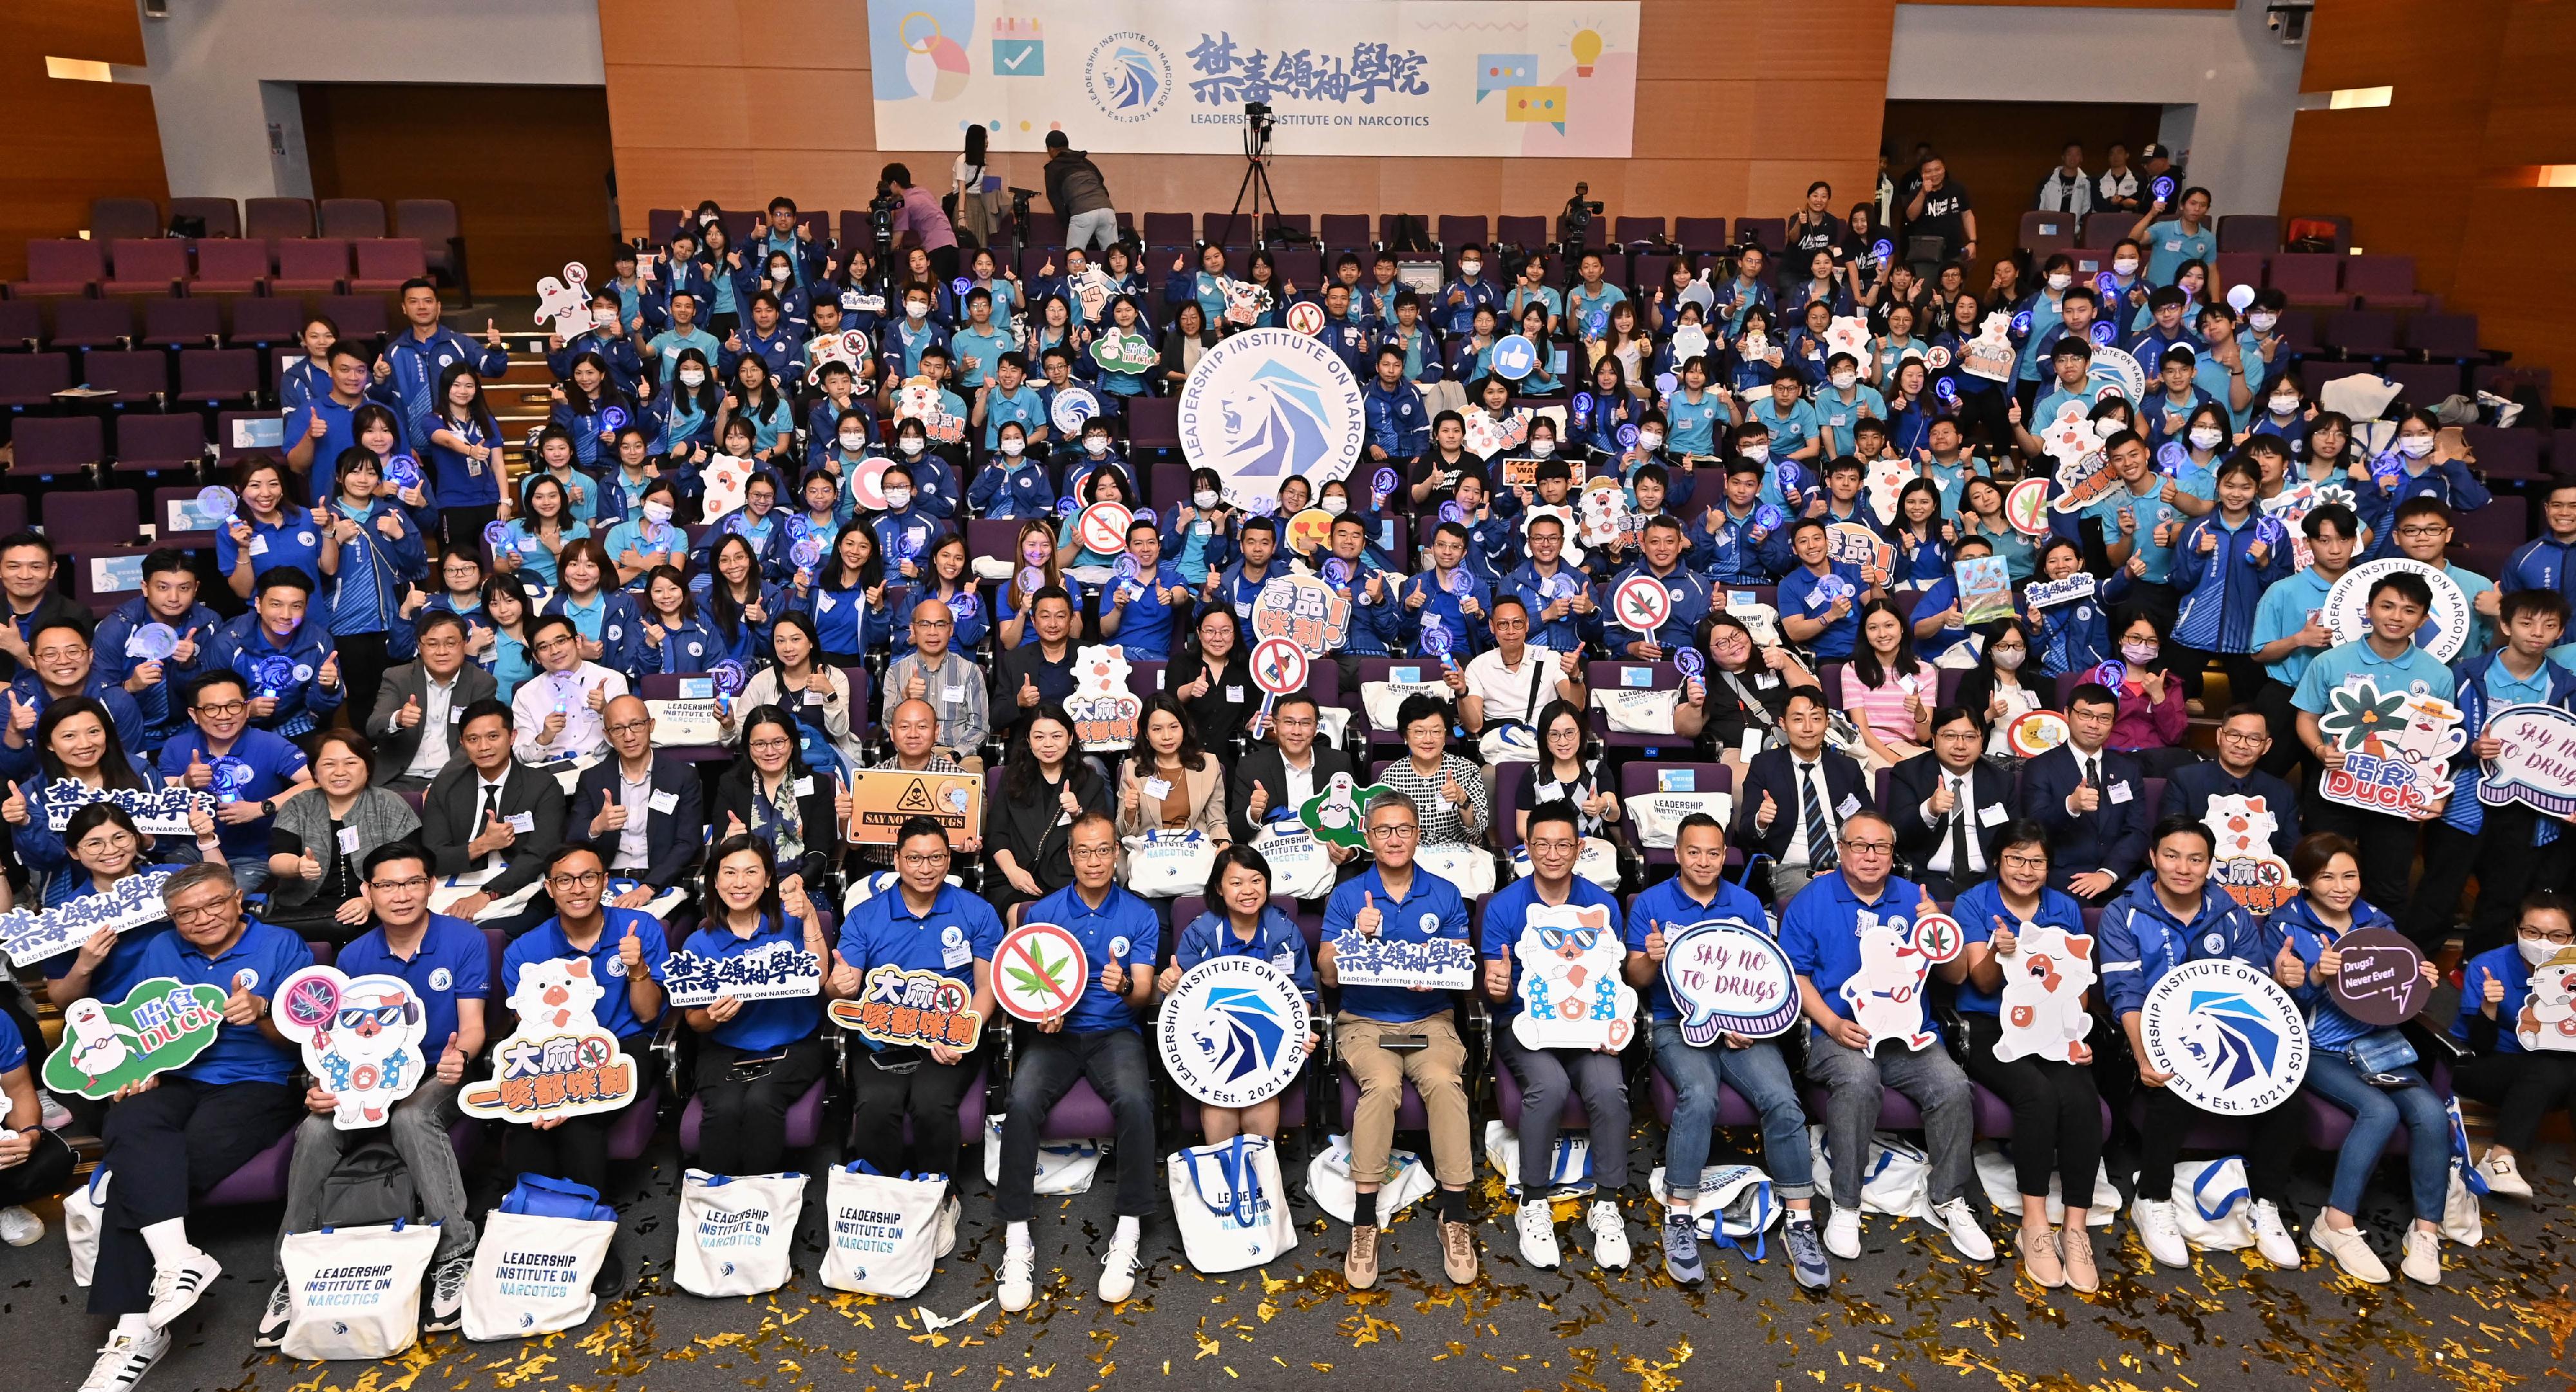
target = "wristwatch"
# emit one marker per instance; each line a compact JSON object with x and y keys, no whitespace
{"x":268,"y":807}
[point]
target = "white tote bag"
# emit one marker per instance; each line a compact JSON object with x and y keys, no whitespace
{"x":1638,"y":712}
{"x":355,"y":1292}
{"x":1301,"y":867}
{"x":1381,"y":700}
{"x":1470,"y":869}
{"x":1658,"y":816}
{"x":1569,"y":1161}
{"x":81,"y":1218}
{"x":737,"y":1232}
{"x":1168,"y":864}
{"x":1733,"y":1203}
{"x":883,"y":1230}
{"x":1897,"y":1179}
{"x":532,"y":1274}
{"x":1231,"y":1204}
{"x":2003,"y":1188}
{"x":2212,"y":1205}
{"x":1064,"y":1167}
{"x":1597,"y":862}
{"x":1328,"y":1179}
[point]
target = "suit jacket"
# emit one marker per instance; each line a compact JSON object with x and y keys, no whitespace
{"x":1773,"y":771}
{"x":818,"y":820}
{"x":2112,"y":837}
{"x":395,"y":746}
{"x":671,"y":839}
{"x":1263,"y":767}
{"x":1910,"y":785}
{"x":448,"y":822}
{"x":2189,"y":788}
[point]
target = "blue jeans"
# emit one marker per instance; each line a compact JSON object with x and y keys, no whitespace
{"x":1761,"y":1076}
{"x":2375,"y":1115}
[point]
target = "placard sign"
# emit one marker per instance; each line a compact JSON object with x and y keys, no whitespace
{"x":2547,"y":1020}
{"x":781,"y":970}
{"x":1039,"y":972}
{"x":2043,"y":1001}
{"x":2381,"y":978}
{"x":1102,"y":528}
{"x":1232,"y":1031}
{"x":919,"y":1008}
{"x":1337,"y":813}
{"x":2397,"y":747}
{"x":159,"y":1026}
{"x":2232,"y":1040}
{"x":882,"y":800}
{"x":1642,"y":604}
{"x":159,"y":812}
{"x":1572,"y":993}
{"x":2537,"y":765}
{"x":1103,"y":709}
{"x":30,"y":936}
{"x":2245,"y":864}
{"x":2048,"y":594}
{"x":2035,"y":733}
{"x":361,"y":1038}
{"x":1445,"y":964}
{"x":1304,"y":610}
{"x":1886,"y":994}
{"x":2446,"y":628}
{"x":1728,"y":977}
{"x":557,"y":1061}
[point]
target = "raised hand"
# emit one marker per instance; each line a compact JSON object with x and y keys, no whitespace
{"x":410,"y":715}
{"x":2287,"y":968}
{"x":1368,"y":920}
{"x":451,"y":1062}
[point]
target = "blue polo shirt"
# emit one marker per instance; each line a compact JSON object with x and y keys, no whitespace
{"x":336,"y":437}
{"x":453,"y":962}
{"x":1124,"y":927}
{"x":274,"y":762}
{"x":1430,"y":909}
{"x":959,"y":930}
{"x":2282,"y":611}
{"x":1668,"y":906}
{"x":761,"y":1025}
{"x":2150,"y":509}
{"x":2502,"y":964}
{"x":2169,"y":246}
{"x":1275,"y":939}
{"x":261,"y":957}
{"x":1980,"y":905}
{"x":1821,"y":933}
{"x":1841,"y":636}
{"x":294,"y":541}
{"x":546,"y":942}
{"x":2325,"y":675}
{"x":1507,"y":912}
{"x":13,"y":1046}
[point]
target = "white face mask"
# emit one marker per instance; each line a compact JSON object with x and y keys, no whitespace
{"x":657,"y":513}
{"x":2536,"y":950}
{"x":2125,"y":266}
{"x":1759,"y":451}
{"x":603,"y":318}
{"x":1542,"y":447}
{"x":1203,"y":499}
{"x":2414,"y":446}
{"x":1650,"y":441}
{"x":2285,"y":406}
{"x":1843,"y":380}
{"x":2007,"y":659}
{"x":691,"y":377}
{"x":1014,"y":447}
{"x":2207,"y":437}
{"x":2060,"y":281}
{"x":1095,"y":444}
{"x":1335,"y":507}
{"x":897,"y":499}
{"x":2261,"y":322}
{"x":854,"y":440}
{"x":1469,"y":270}
{"x":915,"y":309}
{"x":779,"y":274}
{"x":910,"y":445}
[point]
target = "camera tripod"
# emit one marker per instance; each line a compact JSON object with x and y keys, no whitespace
{"x":1256,"y":179}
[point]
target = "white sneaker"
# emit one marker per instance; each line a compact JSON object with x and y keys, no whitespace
{"x":2272,"y":1237}
{"x":2161,"y":1231}
{"x":177,"y":1289}
{"x":2503,"y":1176}
{"x":1842,"y":1233}
{"x":945,"y":1229}
{"x":124,"y":1360}
{"x":1016,"y":1284}
{"x":1966,"y":1234}
{"x":272,"y":1321}
{"x":2350,"y":1251}
{"x":2423,"y":1260}
{"x":1538,"y":1235}
{"x":1118,"y":1270}
{"x":20,"y":1228}
{"x":1609,"y":1235}
{"x":51,"y":1112}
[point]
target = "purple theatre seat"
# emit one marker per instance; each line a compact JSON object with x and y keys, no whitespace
{"x":804,"y":1120}
{"x":1507,"y":1100}
{"x":1732,"y":1109}
{"x":634,"y":1128}
{"x":1080,"y":1115}
{"x":1410,"y":1114}
{"x":263,"y":1180}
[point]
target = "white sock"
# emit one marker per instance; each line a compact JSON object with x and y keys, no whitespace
{"x":1018,"y":1236}
{"x":134,"y":1326}
{"x":1802,"y":1216}
{"x":1129,"y":1230}
{"x":169,"y":1242}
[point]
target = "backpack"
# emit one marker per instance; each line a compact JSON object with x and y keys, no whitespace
{"x":371,"y":1186}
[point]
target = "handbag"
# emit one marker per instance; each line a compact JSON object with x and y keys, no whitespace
{"x":1328,"y":1180}
{"x":1470,"y":869}
{"x":2212,"y":1204}
{"x":354,"y":1293}
{"x":1732,"y":1203}
{"x":1514,"y":741}
{"x":537,"y":1256}
{"x":737,"y":1232}
{"x":1230,"y":1203}
{"x":1167,"y":864}
{"x":1301,"y":867}
{"x":1897,"y":1180}
{"x":884,"y":1229}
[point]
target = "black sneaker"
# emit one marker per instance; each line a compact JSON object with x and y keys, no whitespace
{"x":611,"y":1280}
{"x":447,"y":1295}
{"x":272,"y":1321}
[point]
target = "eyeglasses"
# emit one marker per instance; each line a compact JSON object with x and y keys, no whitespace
{"x":1869,"y":848}
{"x":60,"y":654}
{"x":554,"y":644}
{"x":416,"y":882}
{"x":2245,"y":736}
{"x":2560,"y":938}
{"x":2026,"y":862}
{"x":2424,"y":531}
{"x":922,"y":860}
{"x":772,"y":746}
{"x":1396,"y":830}
{"x":628,"y":727}
{"x":590,"y":879}
{"x":222,"y":710}
{"x":203,"y":913}
{"x":1094,"y":852}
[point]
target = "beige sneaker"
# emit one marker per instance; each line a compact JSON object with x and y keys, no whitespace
{"x":2039,"y":1260}
{"x":2075,"y":1254}
{"x":1359,"y":1265}
{"x":2350,"y":1251}
{"x":2423,"y":1260}
{"x":1458,"y":1252}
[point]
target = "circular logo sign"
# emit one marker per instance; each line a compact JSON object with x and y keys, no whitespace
{"x":2382,"y":979}
{"x":1308,"y":530}
{"x":2117,"y":367}
{"x":1127,"y":77}
{"x":2035,"y":734}
{"x":1269,"y":404}
{"x":1039,"y":972}
{"x":1937,"y":937}
{"x":867,"y":484}
{"x":1072,"y":407}
{"x":1729,"y":978}
{"x":153,"y":642}
{"x":1103,"y":528}
{"x":2232,"y":1038}
{"x":1641,"y":603}
{"x":1278,"y":666}
{"x":2026,"y":507}
{"x":2445,"y":630}
{"x":1305,"y":317}
{"x":1233,"y":1031}
{"x":1514,"y":357}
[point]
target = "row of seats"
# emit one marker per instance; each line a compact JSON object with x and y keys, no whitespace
{"x":247,"y":321}
{"x":2258,"y":233}
{"x":220,"y":266}
{"x":432,"y":222}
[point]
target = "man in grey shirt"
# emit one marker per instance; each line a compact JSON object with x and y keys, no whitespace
{"x":1079,"y":195}
{"x":952,"y":686}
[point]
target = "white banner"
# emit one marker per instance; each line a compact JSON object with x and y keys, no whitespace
{"x":1417,"y":77}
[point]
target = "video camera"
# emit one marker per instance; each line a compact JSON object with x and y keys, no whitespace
{"x":1579,"y":213}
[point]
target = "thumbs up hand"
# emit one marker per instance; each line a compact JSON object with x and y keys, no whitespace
{"x":328,"y":674}
{"x":733,"y":824}
{"x":198,"y":774}
{"x":308,"y":866}
{"x":409,"y":716}
{"x":1028,"y":697}
{"x":242,"y":1007}
{"x":2329,"y":963}
{"x":1767,"y":813}
{"x":451,"y":1062}
{"x":2287,"y":968}
{"x":630,"y":950}
{"x":2003,"y":942}
{"x":1368,"y":920}
{"x":845,"y":981}
{"x":14,"y":810}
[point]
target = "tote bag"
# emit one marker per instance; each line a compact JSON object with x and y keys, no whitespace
{"x":536,"y":1258}
{"x":737,"y":1232}
{"x":1168,"y":864}
{"x":1231,"y":1205}
{"x":883,"y":1229}
{"x":2212,"y":1205}
{"x":1569,"y":1162}
{"x":1064,"y":1167}
{"x":81,"y":1217}
{"x":1328,"y":1179}
{"x":1300,"y":866}
{"x":1470,"y":869}
{"x":355,"y":1292}
{"x":2003,"y":1188}
{"x":1733,"y":1206}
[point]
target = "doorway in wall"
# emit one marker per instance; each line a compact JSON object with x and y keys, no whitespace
{"x":527,"y":167}
{"x":2001,"y":151}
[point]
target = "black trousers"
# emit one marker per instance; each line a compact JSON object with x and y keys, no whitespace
{"x":2523,"y":1088}
{"x":2387,"y":845}
{"x":2507,"y":867}
{"x":2267,"y":1156}
{"x":362,"y":671}
{"x":2273,"y":699}
{"x":578,"y":1149}
{"x":927,"y":1095}
{"x":461,"y":528}
{"x":2057,"y":1114}
{"x":45,"y":1173}
{"x":165,"y":1149}
{"x":742,"y":1129}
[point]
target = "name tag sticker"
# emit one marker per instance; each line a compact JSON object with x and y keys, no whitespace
{"x":1676,"y":780}
{"x":455,"y":715}
{"x":2120,"y":792}
{"x":1847,"y":806}
{"x":524,"y":823}
{"x":665,"y":802}
{"x":697,"y":688}
{"x":813,"y":698}
{"x":348,"y":840}
{"x":259,"y":546}
{"x":1158,"y":788}
{"x":1992,"y":814}
{"x":805,"y":786}
{"x":952,"y":693}
{"x":1234,"y":693}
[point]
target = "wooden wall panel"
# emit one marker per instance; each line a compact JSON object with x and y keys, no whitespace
{"x":2000,"y":150}
{"x":85,"y":139}
{"x":2097,"y":4}
{"x":1740,"y":103}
